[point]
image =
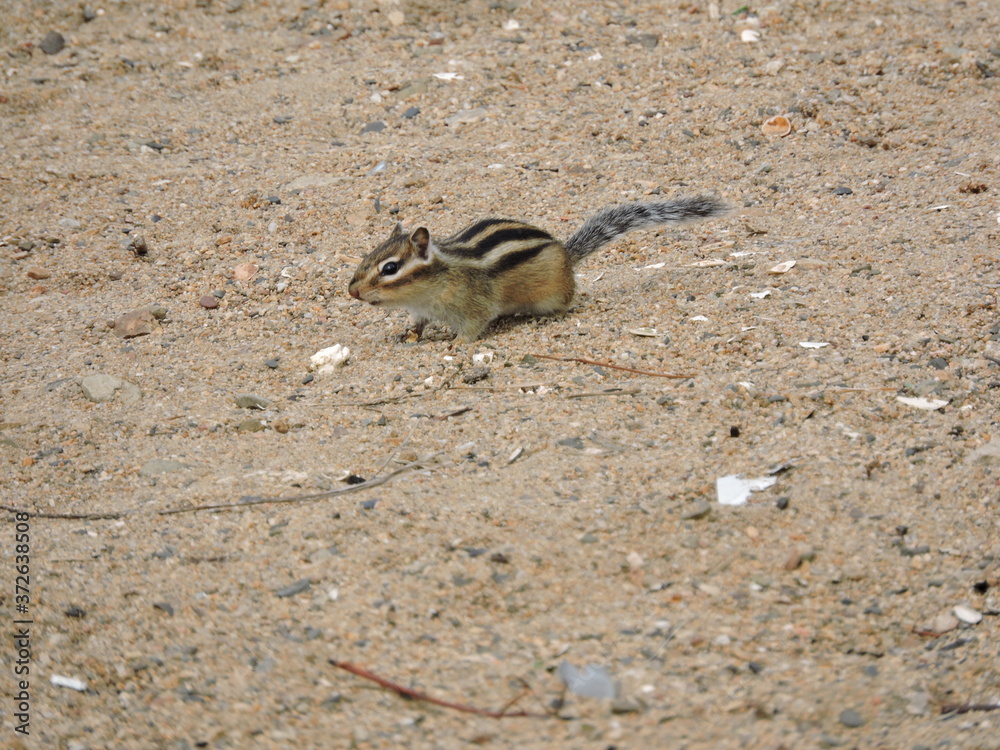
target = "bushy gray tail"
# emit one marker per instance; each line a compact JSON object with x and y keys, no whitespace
{"x":615,"y":221}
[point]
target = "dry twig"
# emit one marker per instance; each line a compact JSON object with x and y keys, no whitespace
{"x":416,"y":695}
{"x":584,"y":361}
{"x":368,"y":484}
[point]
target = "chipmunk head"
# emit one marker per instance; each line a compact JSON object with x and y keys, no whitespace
{"x":391,"y":273}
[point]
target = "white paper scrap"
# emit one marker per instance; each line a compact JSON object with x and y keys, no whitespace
{"x":735,"y":489}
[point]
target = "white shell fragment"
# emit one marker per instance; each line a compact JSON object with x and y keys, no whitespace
{"x":516,"y":454}
{"x":698,"y":319}
{"x":761,"y":295}
{"x":647,"y":332}
{"x":813,"y":344}
{"x":511,"y":24}
{"x":482,"y":358}
{"x":449,"y":76}
{"x":68,"y":682}
{"x":927,"y":404}
{"x":735,"y":489}
{"x":783,"y":267}
{"x":328,"y":360}
{"x":968,"y":615}
{"x":709,"y":263}
{"x":750,"y":36}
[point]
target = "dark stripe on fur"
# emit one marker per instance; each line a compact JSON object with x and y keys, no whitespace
{"x":467,"y":234}
{"x":512,"y":260}
{"x":487,"y":241}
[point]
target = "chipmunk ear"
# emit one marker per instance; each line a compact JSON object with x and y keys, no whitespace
{"x":420,"y":240}
{"x":397,"y":230}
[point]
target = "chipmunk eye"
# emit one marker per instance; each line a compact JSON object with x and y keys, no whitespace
{"x":389,"y":269}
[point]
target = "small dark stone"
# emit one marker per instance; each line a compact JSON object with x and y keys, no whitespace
{"x":981,"y":587}
{"x":923,"y":549}
{"x":308,"y":379}
{"x":293,"y":588}
{"x":499,"y":557}
{"x":475,"y":551}
{"x":75,"y":612}
{"x":475,"y":375}
{"x":734,"y":431}
{"x":164,"y":607}
{"x":89,"y":14}
{"x":938,"y":363}
{"x":411,"y":113}
{"x":373,"y":127}
{"x":282,"y":119}
{"x":272,"y":363}
{"x":369,"y":504}
{"x":354,"y":479}
{"x":274,"y":200}
{"x":782,"y":502}
{"x":843,"y":191}
{"x":851,"y":718}
{"x":53,"y":43}
{"x":755,"y":667}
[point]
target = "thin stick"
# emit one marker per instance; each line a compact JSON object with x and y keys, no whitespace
{"x":584,"y":361}
{"x":366,"y":485}
{"x":964,"y":708}
{"x":591,"y":394}
{"x":411,"y":694}
{"x":68,"y":516}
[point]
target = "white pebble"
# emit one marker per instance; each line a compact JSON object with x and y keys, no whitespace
{"x":967,"y":614}
{"x":68,"y":682}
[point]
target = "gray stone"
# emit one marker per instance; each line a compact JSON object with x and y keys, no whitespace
{"x":696,"y":510}
{"x":293,"y":588}
{"x":53,"y":43}
{"x":100,"y":388}
{"x":851,"y":718}
{"x":156,"y":466}
{"x":252,"y":401}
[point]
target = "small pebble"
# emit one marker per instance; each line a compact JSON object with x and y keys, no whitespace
{"x":272,"y":363}
{"x":697,"y":509}
{"x":208,"y":301}
{"x":293,"y":588}
{"x":412,"y":112}
{"x":136,"y":323}
{"x":968,"y":615}
{"x":373,"y":127}
{"x":37,"y":273}
{"x":251,"y":401}
{"x":843,"y":191}
{"x":53,"y":43}
{"x":851,"y":718}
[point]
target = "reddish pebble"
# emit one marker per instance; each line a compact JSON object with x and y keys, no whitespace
{"x":38,"y":274}
{"x":208,"y":302}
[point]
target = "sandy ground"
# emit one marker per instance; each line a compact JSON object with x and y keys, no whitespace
{"x":536,"y":511}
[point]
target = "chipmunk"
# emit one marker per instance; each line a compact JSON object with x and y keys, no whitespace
{"x":499,"y":267}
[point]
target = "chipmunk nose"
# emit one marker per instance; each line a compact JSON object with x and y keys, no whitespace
{"x":354,"y":292}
